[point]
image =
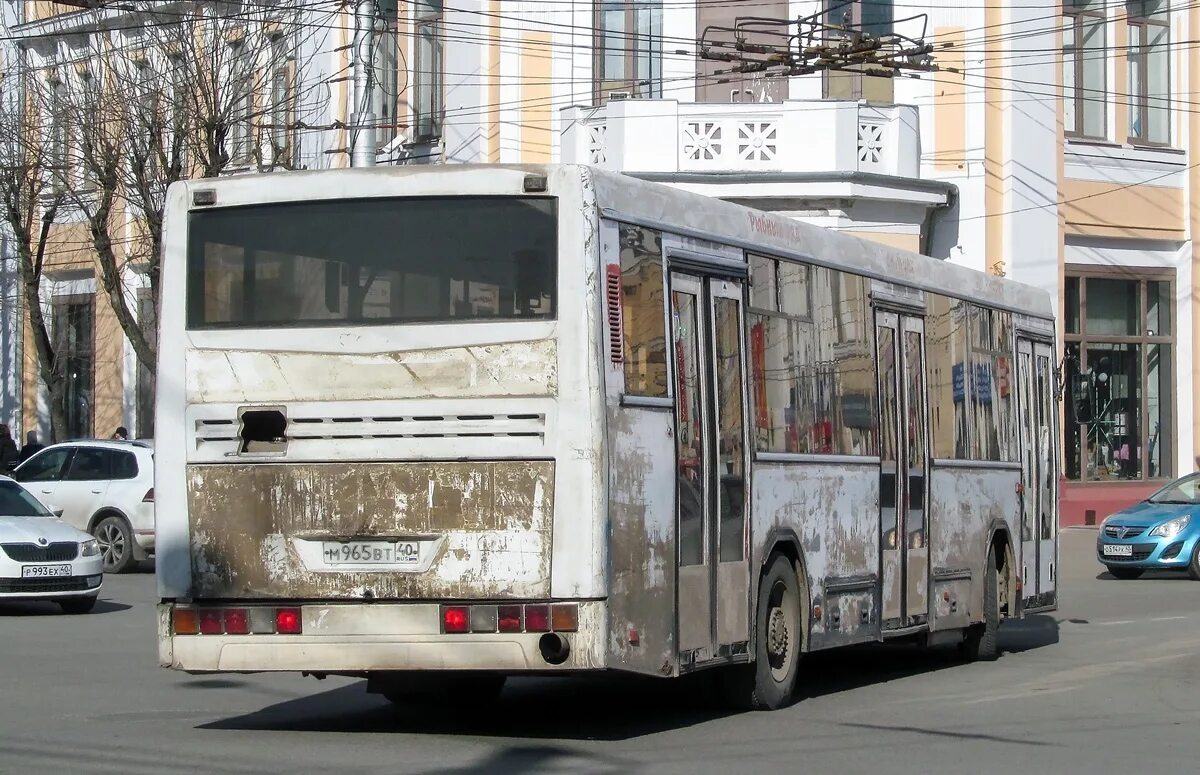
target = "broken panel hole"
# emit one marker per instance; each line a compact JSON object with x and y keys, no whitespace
{"x":263,"y":431}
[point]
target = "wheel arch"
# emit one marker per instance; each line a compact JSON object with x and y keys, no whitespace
{"x":784,"y":541}
{"x":1000,"y":541}
{"x":104,"y":513}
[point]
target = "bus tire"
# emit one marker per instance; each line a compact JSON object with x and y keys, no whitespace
{"x":982,"y":641}
{"x":768,"y":684}
{"x":434,"y":689}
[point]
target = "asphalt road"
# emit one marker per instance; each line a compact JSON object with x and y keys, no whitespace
{"x":1108,"y":684}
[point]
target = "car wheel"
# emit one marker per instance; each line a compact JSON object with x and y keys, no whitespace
{"x":768,"y":684}
{"x":1194,"y":565}
{"x":982,"y":641}
{"x":78,"y":605}
{"x":116,"y":544}
{"x":1132,"y":573}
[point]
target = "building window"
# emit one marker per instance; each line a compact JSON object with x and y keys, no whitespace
{"x":241,"y":117}
{"x":389,"y":79}
{"x":642,"y":311}
{"x":871,"y":17}
{"x":282,"y":108}
{"x":74,"y":325}
{"x":1084,"y":63}
{"x":1149,"y":71}
{"x":60,"y":133}
{"x":1120,"y":375}
{"x":628,"y":49}
{"x":812,"y":368}
{"x":91,"y":153}
{"x":429,"y":85}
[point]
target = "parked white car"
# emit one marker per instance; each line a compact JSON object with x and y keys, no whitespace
{"x":44,"y":558}
{"x":105,"y":488}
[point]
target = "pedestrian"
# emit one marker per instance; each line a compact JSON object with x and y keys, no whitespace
{"x":31,"y":448}
{"x":122,"y":434}
{"x":8,"y":449}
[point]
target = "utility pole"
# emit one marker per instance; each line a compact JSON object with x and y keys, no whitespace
{"x":362,"y":120}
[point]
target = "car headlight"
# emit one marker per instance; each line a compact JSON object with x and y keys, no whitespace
{"x":89,"y":548}
{"x":1172,"y":528}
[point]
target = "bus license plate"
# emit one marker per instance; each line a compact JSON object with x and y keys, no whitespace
{"x":371,"y":552}
{"x":44,"y":571}
{"x":1118,"y":550}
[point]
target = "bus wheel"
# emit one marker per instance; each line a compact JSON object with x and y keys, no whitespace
{"x":982,"y":641}
{"x":769,"y":682}
{"x":434,"y":689}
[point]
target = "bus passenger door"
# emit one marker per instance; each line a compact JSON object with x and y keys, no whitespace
{"x":713,"y":572}
{"x":1039,"y":515}
{"x":904,"y":469}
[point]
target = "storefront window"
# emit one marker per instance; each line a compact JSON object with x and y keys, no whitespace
{"x":1118,"y":398}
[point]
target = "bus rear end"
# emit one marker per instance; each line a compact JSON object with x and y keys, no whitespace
{"x":380,"y":444}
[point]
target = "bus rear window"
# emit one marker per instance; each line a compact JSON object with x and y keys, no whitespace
{"x":372,"y":262}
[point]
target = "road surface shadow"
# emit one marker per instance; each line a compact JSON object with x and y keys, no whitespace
{"x":609,"y":706}
{"x":47,"y":608}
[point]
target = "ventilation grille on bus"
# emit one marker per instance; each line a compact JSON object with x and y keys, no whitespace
{"x":400,"y":427}
{"x":612,"y":294}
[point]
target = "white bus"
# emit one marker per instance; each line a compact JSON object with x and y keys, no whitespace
{"x":438,"y":425}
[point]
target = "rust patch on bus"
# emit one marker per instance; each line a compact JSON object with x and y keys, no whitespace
{"x":490,"y":522}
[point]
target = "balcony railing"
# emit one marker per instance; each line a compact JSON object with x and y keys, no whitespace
{"x":792,"y":136}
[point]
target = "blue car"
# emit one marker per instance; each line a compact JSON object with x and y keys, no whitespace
{"x":1160,"y":533}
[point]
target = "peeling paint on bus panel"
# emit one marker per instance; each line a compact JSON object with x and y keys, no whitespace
{"x":489,"y":523}
{"x":964,"y":504}
{"x":834,"y":509}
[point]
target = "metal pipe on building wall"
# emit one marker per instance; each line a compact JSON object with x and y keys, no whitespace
{"x":363,"y":118}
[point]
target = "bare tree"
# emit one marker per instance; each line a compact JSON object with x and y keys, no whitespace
{"x":205,"y":90}
{"x":30,"y":202}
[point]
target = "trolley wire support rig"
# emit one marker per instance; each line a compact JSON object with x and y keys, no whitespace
{"x":778,"y":48}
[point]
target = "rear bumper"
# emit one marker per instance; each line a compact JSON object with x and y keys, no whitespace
{"x":356,"y":638}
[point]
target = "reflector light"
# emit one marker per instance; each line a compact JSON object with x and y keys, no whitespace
{"x":564,"y":617}
{"x":455,"y":619}
{"x":184,"y":621}
{"x":210,"y":622}
{"x":483,"y":618}
{"x":237,"y":621}
{"x":149,"y":496}
{"x":509,"y":618}
{"x":287,"y":621}
{"x":537,"y":618}
{"x":262,"y":620}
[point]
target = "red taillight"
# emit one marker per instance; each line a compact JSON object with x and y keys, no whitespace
{"x":509,"y":618}
{"x":456,"y":618}
{"x":149,"y":496}
{"x":210,"y":622}
{"x":287,"y":621}
{"x":237,"y":621}
{"x":537,"y":618}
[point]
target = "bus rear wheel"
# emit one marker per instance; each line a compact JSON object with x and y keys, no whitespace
{"x":982,"y":641}
{"x":768,"y":684}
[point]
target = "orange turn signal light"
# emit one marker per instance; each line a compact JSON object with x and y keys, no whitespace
{"x":184,"y":621}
